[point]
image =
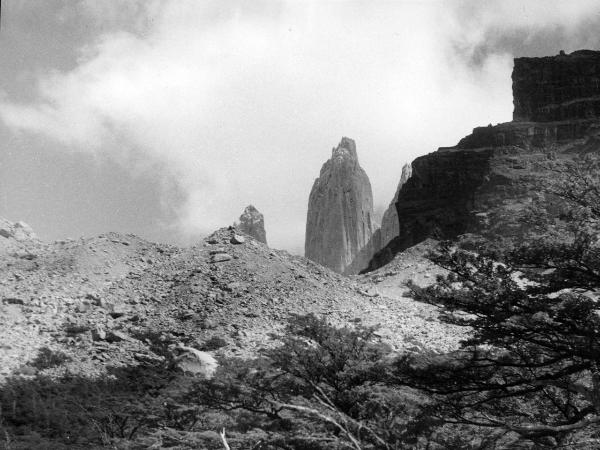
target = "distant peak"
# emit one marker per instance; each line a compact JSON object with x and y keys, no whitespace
{"x":346,"y":147}
{"x":252,"y":222}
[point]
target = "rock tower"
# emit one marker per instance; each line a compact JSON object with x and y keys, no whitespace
{"x":252,"y":222}
{"x":340,"y":209}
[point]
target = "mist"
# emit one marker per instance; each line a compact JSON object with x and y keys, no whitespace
{"x":223,"y":104}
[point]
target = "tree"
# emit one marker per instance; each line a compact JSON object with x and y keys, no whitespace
{"x":530,"y":369}
{"x":526,"y":377}
{"x":324,"y":388}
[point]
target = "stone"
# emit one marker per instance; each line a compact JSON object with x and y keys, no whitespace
{"x":339,"y":224}
{"x":95,"y":298}
{"x":22,"y":231}
{"x":207,"y":324}
{"x":196,"y":362}
{"x":117,"y":336}
{"x":83,"y":306}
{"x":5,"y":233}
{"x":252,"y":222}
{"x":220,"y":257}
{"x":98,"y":334}
{"x":237,"y":239}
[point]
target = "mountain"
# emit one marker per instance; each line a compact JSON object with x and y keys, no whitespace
{"x":252,"y":222}
{"x":339,"y":221}
{"x":389,"y":222}
{"x":481,"y":184}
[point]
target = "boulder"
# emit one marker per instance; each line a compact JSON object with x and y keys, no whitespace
{"x":18,"y":231}
{"x":237,"y":239}
{"x":23,"y":232}
{"x":196,"y":362}
{"x":220,"y":257}
{"x":98,"y":333}
{"x":115,"y":336}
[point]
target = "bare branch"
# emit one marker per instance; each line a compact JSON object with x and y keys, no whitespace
{"x":224,"y":440}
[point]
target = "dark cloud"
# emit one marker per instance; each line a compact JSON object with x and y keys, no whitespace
{"x":488,"y":29}
{"x":526,"y":42}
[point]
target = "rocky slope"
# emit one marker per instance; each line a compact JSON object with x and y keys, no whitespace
{"x":99,"y":300}
{"x":339,"y":221}
{"x":252,"y":222}
{"x":479,"y":185}
{"x":118,"y":306}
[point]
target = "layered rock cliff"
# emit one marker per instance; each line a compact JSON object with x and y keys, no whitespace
{"x":480,"y":185}
{"x":563,"y":87}
{"x":252,"y":222}
{"x":339,"y":221}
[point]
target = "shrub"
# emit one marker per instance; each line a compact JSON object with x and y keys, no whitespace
{"x":47,"y":359}
{"x":214,"y":343}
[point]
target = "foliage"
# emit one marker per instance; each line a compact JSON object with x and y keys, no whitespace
{"x":48,"y":358}
{"x":324,"y":388}
{"x":72,"y":410}
{"x":530,"y":368}
{"x":214,"y":343}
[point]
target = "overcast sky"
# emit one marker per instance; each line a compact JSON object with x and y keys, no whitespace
{"x":166,"y":118}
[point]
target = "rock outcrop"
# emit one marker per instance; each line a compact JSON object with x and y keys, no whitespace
{"x":563,"y":87}
{"x":252,"y":222}
{"x":18,"y":231}
{"x":481,"y":184}
{"x":340,"y":209}
{"x":389,"y":222}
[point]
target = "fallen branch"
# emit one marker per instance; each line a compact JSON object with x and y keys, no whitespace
{"x":224,"y":439}
{"x":323,"y":417}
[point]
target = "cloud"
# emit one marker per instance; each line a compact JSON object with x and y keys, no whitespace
{"x":478,"y":29}
{"x":231,"y":103}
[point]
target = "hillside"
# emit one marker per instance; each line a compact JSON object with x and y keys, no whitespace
{"x":90,"y":306}
{"x":91,"y":297}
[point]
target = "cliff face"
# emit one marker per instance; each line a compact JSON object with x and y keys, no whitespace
{"x":252,"y":222}
{"x":563,"y":87}
{"x":389,"y":222}
{"x":340,"y":210}
{"x":479,"y":185}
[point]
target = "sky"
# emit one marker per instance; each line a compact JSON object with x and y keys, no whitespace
{"x":166,"y":118}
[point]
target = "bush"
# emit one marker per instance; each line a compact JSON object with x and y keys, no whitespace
{"x":214,"y":343}
{"x":324,"y":388}
{"x":47,"y":359}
